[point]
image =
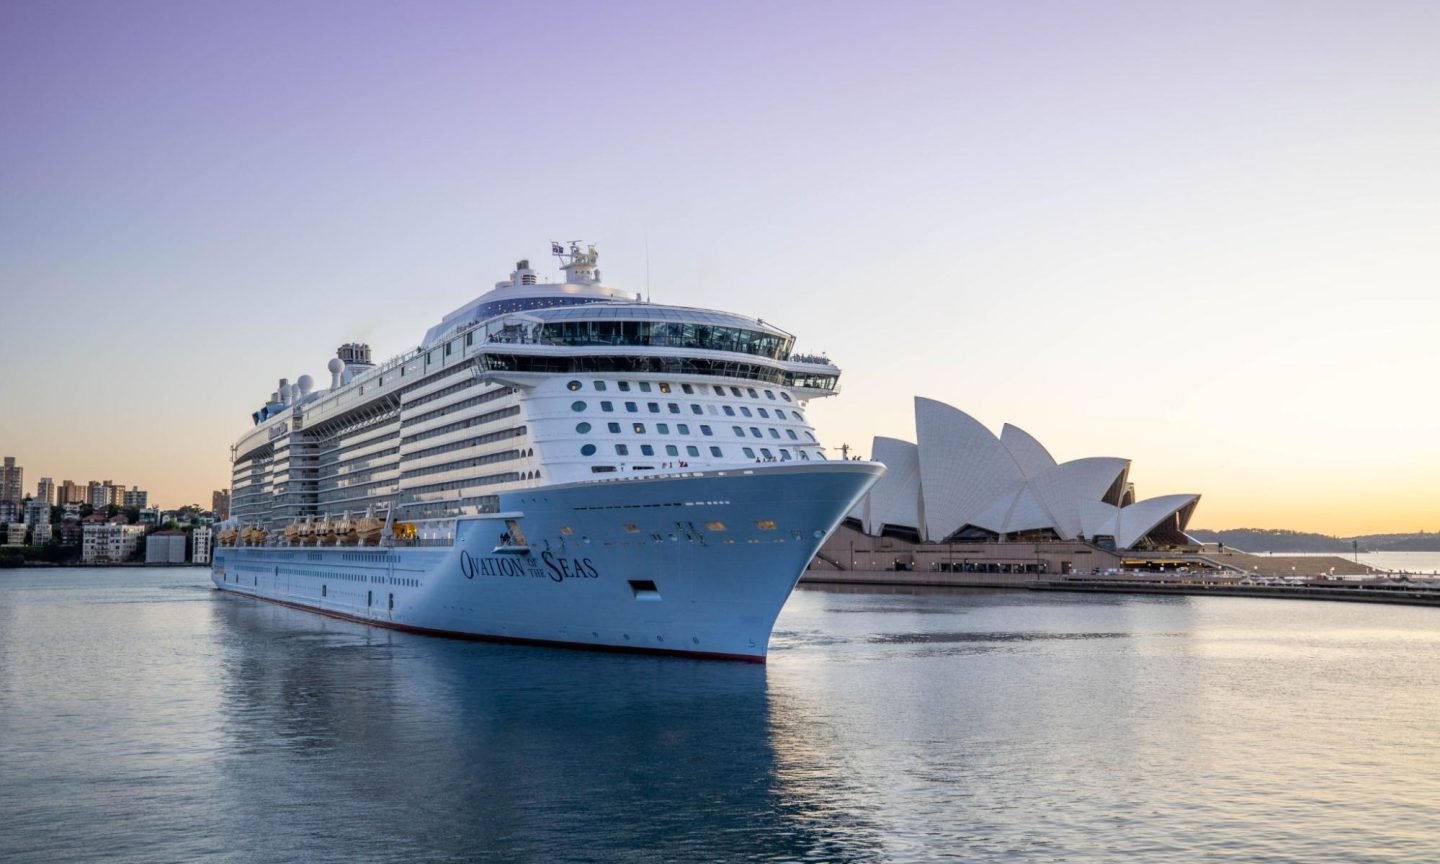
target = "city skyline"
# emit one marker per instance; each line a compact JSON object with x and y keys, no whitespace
{"x":1198,"y":237}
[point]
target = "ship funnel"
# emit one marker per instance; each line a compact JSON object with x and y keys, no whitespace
{"x":283,"y":391}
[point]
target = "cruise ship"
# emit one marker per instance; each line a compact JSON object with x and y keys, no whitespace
{"x":557,"y":463}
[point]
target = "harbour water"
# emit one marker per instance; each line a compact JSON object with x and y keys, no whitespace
{"x":146,"y":717}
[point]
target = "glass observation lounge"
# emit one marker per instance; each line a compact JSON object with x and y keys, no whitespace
{"x":621,"y":325}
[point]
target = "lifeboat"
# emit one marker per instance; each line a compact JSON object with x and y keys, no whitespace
{"x":254,"y":536}
{"x":324,"y":532}
{"x":292,"y":534}
{"x":345,"y":531}
{"x":368,"y":530}
{"x":228,"y":536}
{"x":306,"y":532}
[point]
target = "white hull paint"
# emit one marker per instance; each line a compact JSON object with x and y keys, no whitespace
{"x":694,"y":563}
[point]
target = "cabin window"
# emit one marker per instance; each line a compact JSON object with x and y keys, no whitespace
{"x":715,"y":451}
{"x":682,"y":428}
{"x":607,"y":406}
{"x":729,"y":412}
{"x":692,"y":450}
{"x":624,"y":386}
{"x":755,"y":430}
{"x":746,"y":411}
{"x":749,"y":453}
{"x":706,"y":430}
{"x":644,"y":386}
{"x":662,"y":428}
{"x":587,"y":450}
{"x":613,"y":427}
{"x":654,"y":407}
{"x":687,"y":389}
{"x":631,"y":407}
{"x":573,"y":386}
{"x":600,"y":386}
{"x":647,"y":450}
{"x":765,"y":451}
{"x":739,"y":433}
{"x":582,"y":427}
{"x":622,"y":450}
{"x":769,"y":394}
{"x":639,"y":428}
{"x":664,"y":387}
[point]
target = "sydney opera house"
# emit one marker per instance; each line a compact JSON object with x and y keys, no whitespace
{"x":959,"y":483}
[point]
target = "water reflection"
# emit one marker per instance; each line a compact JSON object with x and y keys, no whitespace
{"x":463,"y":751}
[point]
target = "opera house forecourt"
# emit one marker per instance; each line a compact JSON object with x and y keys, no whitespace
{"x":962,"y":499}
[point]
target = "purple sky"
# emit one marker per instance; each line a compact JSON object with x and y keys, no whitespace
{"x":1203,"y":236}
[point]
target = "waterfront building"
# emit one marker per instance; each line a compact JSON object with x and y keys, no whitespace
{"x":109,"y":542}
{"x":959,"y":482}
{"x":15,"y":534}
{"x":135,"y":497}
{"x":45,"y":490}
{"x":37,"y":512}
{"x":150,"y":516}
{"x":70,"y":531}
{"x":12,"y":481}
{"x":220,"y":504}
{"x":165,"y":547}
{"x":200,"y":544}
{"x":70,"y":510}
{"x":41,"y":533}
{"x":9,"y":512}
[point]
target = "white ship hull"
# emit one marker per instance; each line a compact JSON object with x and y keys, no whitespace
{"x":694,"y":563}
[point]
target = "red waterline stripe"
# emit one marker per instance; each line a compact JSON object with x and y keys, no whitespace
{"x":502,"y":640}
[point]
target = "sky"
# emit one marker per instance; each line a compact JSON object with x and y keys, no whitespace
{"x":1201,"y":236}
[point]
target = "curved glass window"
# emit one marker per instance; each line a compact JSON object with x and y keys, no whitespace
{"x":791,"y":433}
{"x":769,"y":394}
{"x":667,"y":334}
{"x":582,"y":427}
{"x":587,"y":450}
{"x":751,"y":391}
{"x":577,"y":405}
{"x":784,"y":395}
{"x":573,"y":386}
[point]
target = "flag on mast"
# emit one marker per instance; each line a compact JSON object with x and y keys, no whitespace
{"x":556,"y":248}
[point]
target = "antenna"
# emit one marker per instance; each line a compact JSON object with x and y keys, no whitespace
{"x":647,"y":267}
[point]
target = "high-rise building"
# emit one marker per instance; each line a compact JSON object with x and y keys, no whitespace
{"x":37,"y":512}
{"x":97,"y":495}
{"x":220,"y":504}
{"x":137,"y":498}
{"x":12,"y":481}
{"x":69,"y":493}
{"x":45,"y":491}
{"x":115,"y":494}
{"x":200,"y":545}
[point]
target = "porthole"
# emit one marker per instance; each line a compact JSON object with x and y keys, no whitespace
{"x":582,"y":427}
{"x":573,"y":386}
{"x":587,"y":450}
{"x":577,"y":405}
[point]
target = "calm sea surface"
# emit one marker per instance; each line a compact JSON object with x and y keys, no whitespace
{"x":145,"y":717}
